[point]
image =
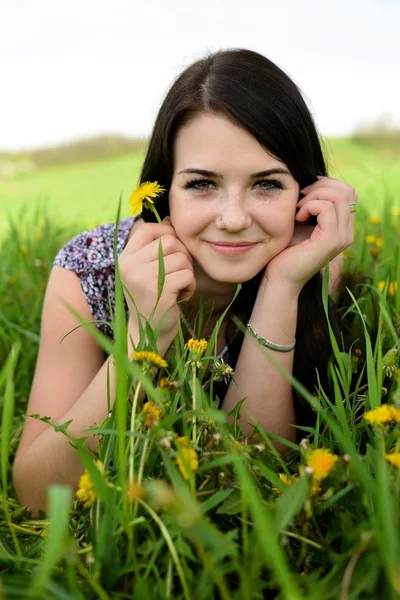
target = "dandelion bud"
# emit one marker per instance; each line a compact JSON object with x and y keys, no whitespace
{"x":259,"y":447}
{"x":389,"y":362}
{"x":308,"y":471}
{"x":304,"y":445}
{"x":163,"y":494}
{"x":165,"y":443}
{"x":222,"y":371}
{"x":90,"y":559}
{"x":346,"y":459}
{"x":217,"y":437}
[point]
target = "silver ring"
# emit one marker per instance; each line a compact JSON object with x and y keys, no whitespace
{"x":353,"y":207}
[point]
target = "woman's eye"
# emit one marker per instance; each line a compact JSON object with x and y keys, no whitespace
{"x":272,"y":184}
{"x":197,"y":182}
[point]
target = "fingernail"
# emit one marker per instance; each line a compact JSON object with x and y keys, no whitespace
{"x":167,"y":218}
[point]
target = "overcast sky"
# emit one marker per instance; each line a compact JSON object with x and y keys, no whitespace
{"x":82,"y":67}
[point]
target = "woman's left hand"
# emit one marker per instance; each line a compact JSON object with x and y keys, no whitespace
{"x":327,"y":199}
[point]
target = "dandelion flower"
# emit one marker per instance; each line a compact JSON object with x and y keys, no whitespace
{"x":142,"y":197}
{"x":379,"y":242}
{"x":391,"y":289}
{"x":135,"y":491}
{"x":153,"y":414}
{"x":394,"y":459}
{"x":164,"y":382}
{"x":197,"y":347}
{"x":375,"y":219}
{"x":321,"y":462}
{"x":396,"y":211}
{"x":149,"y":359}
{"x":286,"y":481}
{"x":382,"y":414}
{"x":375,"y":250}
{"x":187,"y":458}
{"x":86,"y":493}
{"x":370,"y":239}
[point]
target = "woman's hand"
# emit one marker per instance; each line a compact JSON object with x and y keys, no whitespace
{"x":311,"y":245}
{"x":138,"y":265}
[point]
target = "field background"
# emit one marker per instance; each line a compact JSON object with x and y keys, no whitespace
{"x":86,"y":193}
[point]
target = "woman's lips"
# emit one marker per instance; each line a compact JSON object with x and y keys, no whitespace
{"x":231,"y":249}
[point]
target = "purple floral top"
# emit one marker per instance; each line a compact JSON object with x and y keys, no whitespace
{"x":90,"y":255}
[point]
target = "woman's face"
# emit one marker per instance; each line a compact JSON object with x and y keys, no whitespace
{"x":213,"y":213}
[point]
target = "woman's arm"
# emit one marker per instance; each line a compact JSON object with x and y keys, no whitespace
{"x":268,"y":394}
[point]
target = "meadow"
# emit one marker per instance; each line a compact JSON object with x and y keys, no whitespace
{"x":175,"y":503}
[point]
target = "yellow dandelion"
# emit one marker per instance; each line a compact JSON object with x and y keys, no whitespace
{"x":86,"y":494}
{"x":394,"y":459}
{"x":321,"y":461}
{"x":379,"y":242}
{"x":286,"y":481}
{"x":375,"y":219}
{"x":135,"y":491}
{"x":381,"y":285}
{"x":382,"y":414}
{"x":149,"y":359}
{"x":392,"y":288}
{"x":370,"y":239}
{"x":153,"y":414}
{"x":375,"y":250}
{"x":396,"y":211}
{"x":187,"y":459}
{"x":143,"y":197}
{"x":164,"y":382}
{"x":197,"y":347}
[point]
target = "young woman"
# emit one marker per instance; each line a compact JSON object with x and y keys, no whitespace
{"x":247,"y":200}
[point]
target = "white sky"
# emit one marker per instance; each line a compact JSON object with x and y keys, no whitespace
{"x":82,"y":67}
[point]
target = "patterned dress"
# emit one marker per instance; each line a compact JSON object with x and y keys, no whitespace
{"x":90,"y":255}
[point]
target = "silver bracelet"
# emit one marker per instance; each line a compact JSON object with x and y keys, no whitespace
{"x":269,"y":344}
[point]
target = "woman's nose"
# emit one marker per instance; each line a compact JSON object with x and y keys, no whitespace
{"x":233,"y":215}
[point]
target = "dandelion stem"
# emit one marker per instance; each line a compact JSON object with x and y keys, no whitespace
{"x":194,"y":403}
{"x":155,"y":211}
{"x":141,"y":468}
{"x":171,"y":546}
{"x":132,"y":429}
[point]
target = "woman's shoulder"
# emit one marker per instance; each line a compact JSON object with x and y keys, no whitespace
{"x":93,"y":249}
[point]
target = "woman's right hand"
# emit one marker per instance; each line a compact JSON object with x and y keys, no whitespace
{"x":138,"y":264}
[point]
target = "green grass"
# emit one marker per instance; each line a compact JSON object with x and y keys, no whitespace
{"x":86,"y":193}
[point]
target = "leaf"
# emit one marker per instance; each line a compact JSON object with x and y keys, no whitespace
{"x":216,"y":499}
{"x":290,"y":503}
{"x":232,"y":505}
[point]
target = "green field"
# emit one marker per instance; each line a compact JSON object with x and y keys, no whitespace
{"x":87,"y":194}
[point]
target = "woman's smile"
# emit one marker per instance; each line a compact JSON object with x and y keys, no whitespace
{"x":231,"y":249}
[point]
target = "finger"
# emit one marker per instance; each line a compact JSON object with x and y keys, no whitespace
{"x":341,"y":200}
{"x":170,"y":244}
{"x":182,"y":284}
{"x":147,"y":233}
{"x":175,"y":262}
{"x":327,"y":224}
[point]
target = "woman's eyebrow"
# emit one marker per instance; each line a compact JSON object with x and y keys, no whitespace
{"x":274,"y":171}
